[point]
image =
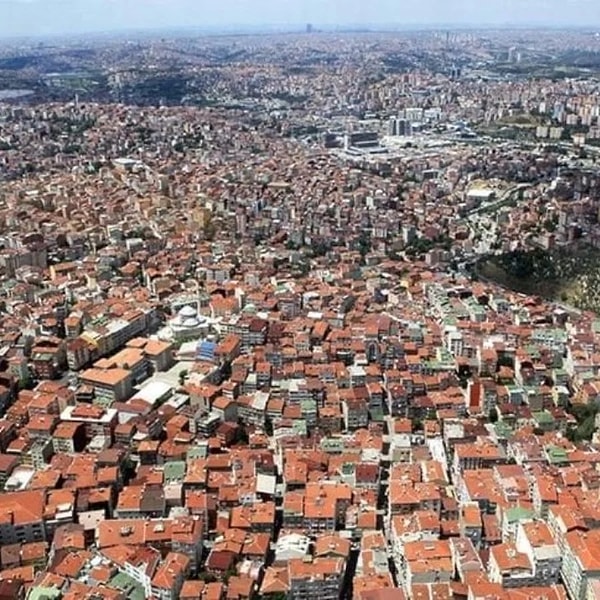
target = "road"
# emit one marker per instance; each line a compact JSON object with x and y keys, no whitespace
{"x":480,"y":216}
{"x":504,"y":198}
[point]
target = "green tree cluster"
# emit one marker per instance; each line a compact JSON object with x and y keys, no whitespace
{"x":586,"y":422}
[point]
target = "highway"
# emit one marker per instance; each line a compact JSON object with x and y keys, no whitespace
{"x":504,"y":198}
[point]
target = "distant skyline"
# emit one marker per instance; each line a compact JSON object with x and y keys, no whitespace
{"x":58,"y":17}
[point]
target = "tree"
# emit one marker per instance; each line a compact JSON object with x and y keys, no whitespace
{"x":364,"y":243}
{"x":242,"y":437}
{"x":26,"y":383}
{"x":209,"y":230}
{"x":182,"y":376}
{"x":302,"y":269}
{"x":320,"y":248}
{"x":231,"y":572}
{"x":586,"y":422}
{"x":268,"y":425}
{"x":393,"y":254}
{"x":431,"y":414}
{"x":505,"y":360}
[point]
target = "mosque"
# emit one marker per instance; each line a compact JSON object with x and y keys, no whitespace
{"x":188,"y":325}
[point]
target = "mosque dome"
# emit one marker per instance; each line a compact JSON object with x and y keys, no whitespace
{"x":187,"y":312}
{"x":190,"y":322}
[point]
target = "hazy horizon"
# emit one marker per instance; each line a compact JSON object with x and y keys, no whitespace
{"x":63,"y":17}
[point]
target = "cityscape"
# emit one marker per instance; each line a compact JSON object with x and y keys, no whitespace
{"x":300,"y":314}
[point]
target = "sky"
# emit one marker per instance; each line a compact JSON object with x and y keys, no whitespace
{"x":49,"y":17}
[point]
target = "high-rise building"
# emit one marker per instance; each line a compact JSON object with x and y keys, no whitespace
{"x":392,"y":127}
{"x":456,"y":72}
{"x":404,"y":127}
{"x":309,"y":28}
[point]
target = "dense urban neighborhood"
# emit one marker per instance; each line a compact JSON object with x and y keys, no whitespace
{"x":301,"y":316}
